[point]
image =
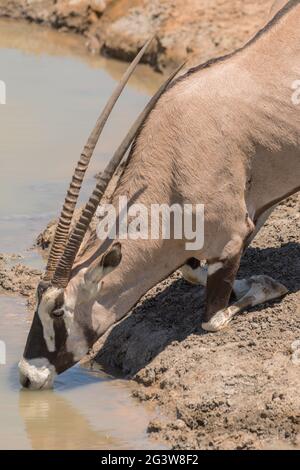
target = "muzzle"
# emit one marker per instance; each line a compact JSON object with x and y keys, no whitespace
{"x":36,"y":374}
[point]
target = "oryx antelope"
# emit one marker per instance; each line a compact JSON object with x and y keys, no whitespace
{"x":225,"y":134}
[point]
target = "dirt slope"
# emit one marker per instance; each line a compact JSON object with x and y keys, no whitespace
{"x":196,"y":29}
{"x":238,"y":388}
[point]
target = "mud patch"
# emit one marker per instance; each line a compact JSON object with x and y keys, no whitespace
{"x":16,"y":278}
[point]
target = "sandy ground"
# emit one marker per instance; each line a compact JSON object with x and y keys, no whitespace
{"x":198,"y":30}
{"x":236,"y":389}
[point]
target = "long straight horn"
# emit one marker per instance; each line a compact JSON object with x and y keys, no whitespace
{"x":63,"y":227}
{"x":62,"y":273}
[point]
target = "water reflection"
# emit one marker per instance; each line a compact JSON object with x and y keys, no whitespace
{"x":52,"y":423}
{"x":86,"y":410}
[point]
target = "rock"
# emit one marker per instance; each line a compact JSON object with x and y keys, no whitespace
{"x":295,"y":346}
{"x":98,"y":5}
{"x":154,"y":426}
{"x":18,"y":279}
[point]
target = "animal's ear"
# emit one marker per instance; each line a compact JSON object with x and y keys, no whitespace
{"x":108,"y":262}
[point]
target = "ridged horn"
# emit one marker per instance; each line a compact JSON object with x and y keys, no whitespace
{"x":63,"y":227}
{"x":62,"y":273}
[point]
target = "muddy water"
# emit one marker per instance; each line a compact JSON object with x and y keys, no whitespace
{"x":54,"y":94}
{"x":85,"y":411}
{"x":55,"y":91}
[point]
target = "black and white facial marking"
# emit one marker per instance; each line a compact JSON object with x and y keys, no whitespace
{"x":61,"y":334}
{"x":45,"y":353}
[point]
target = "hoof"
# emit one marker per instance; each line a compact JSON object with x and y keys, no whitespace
{"x":219,"y":321}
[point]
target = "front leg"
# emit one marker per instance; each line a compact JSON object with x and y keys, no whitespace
{"x":220,"y":281}
{"x":196,"y":274}
{"x":257,"y":290}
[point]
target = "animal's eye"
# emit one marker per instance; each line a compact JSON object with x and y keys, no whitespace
{"x":57,"y":313}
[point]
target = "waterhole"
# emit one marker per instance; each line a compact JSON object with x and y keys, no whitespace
{"x":54,"y":92}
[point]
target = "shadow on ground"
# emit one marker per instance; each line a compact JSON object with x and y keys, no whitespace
{"x":172,"y":311}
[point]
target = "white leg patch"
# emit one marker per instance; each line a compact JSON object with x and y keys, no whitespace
{"x":194,"y":276}
{"x":213,"y":268}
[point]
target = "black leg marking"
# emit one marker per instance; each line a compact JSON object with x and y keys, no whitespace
{"x":219,"y":286}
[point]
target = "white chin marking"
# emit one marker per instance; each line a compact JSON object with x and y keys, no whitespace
{"x":38,"y":371}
